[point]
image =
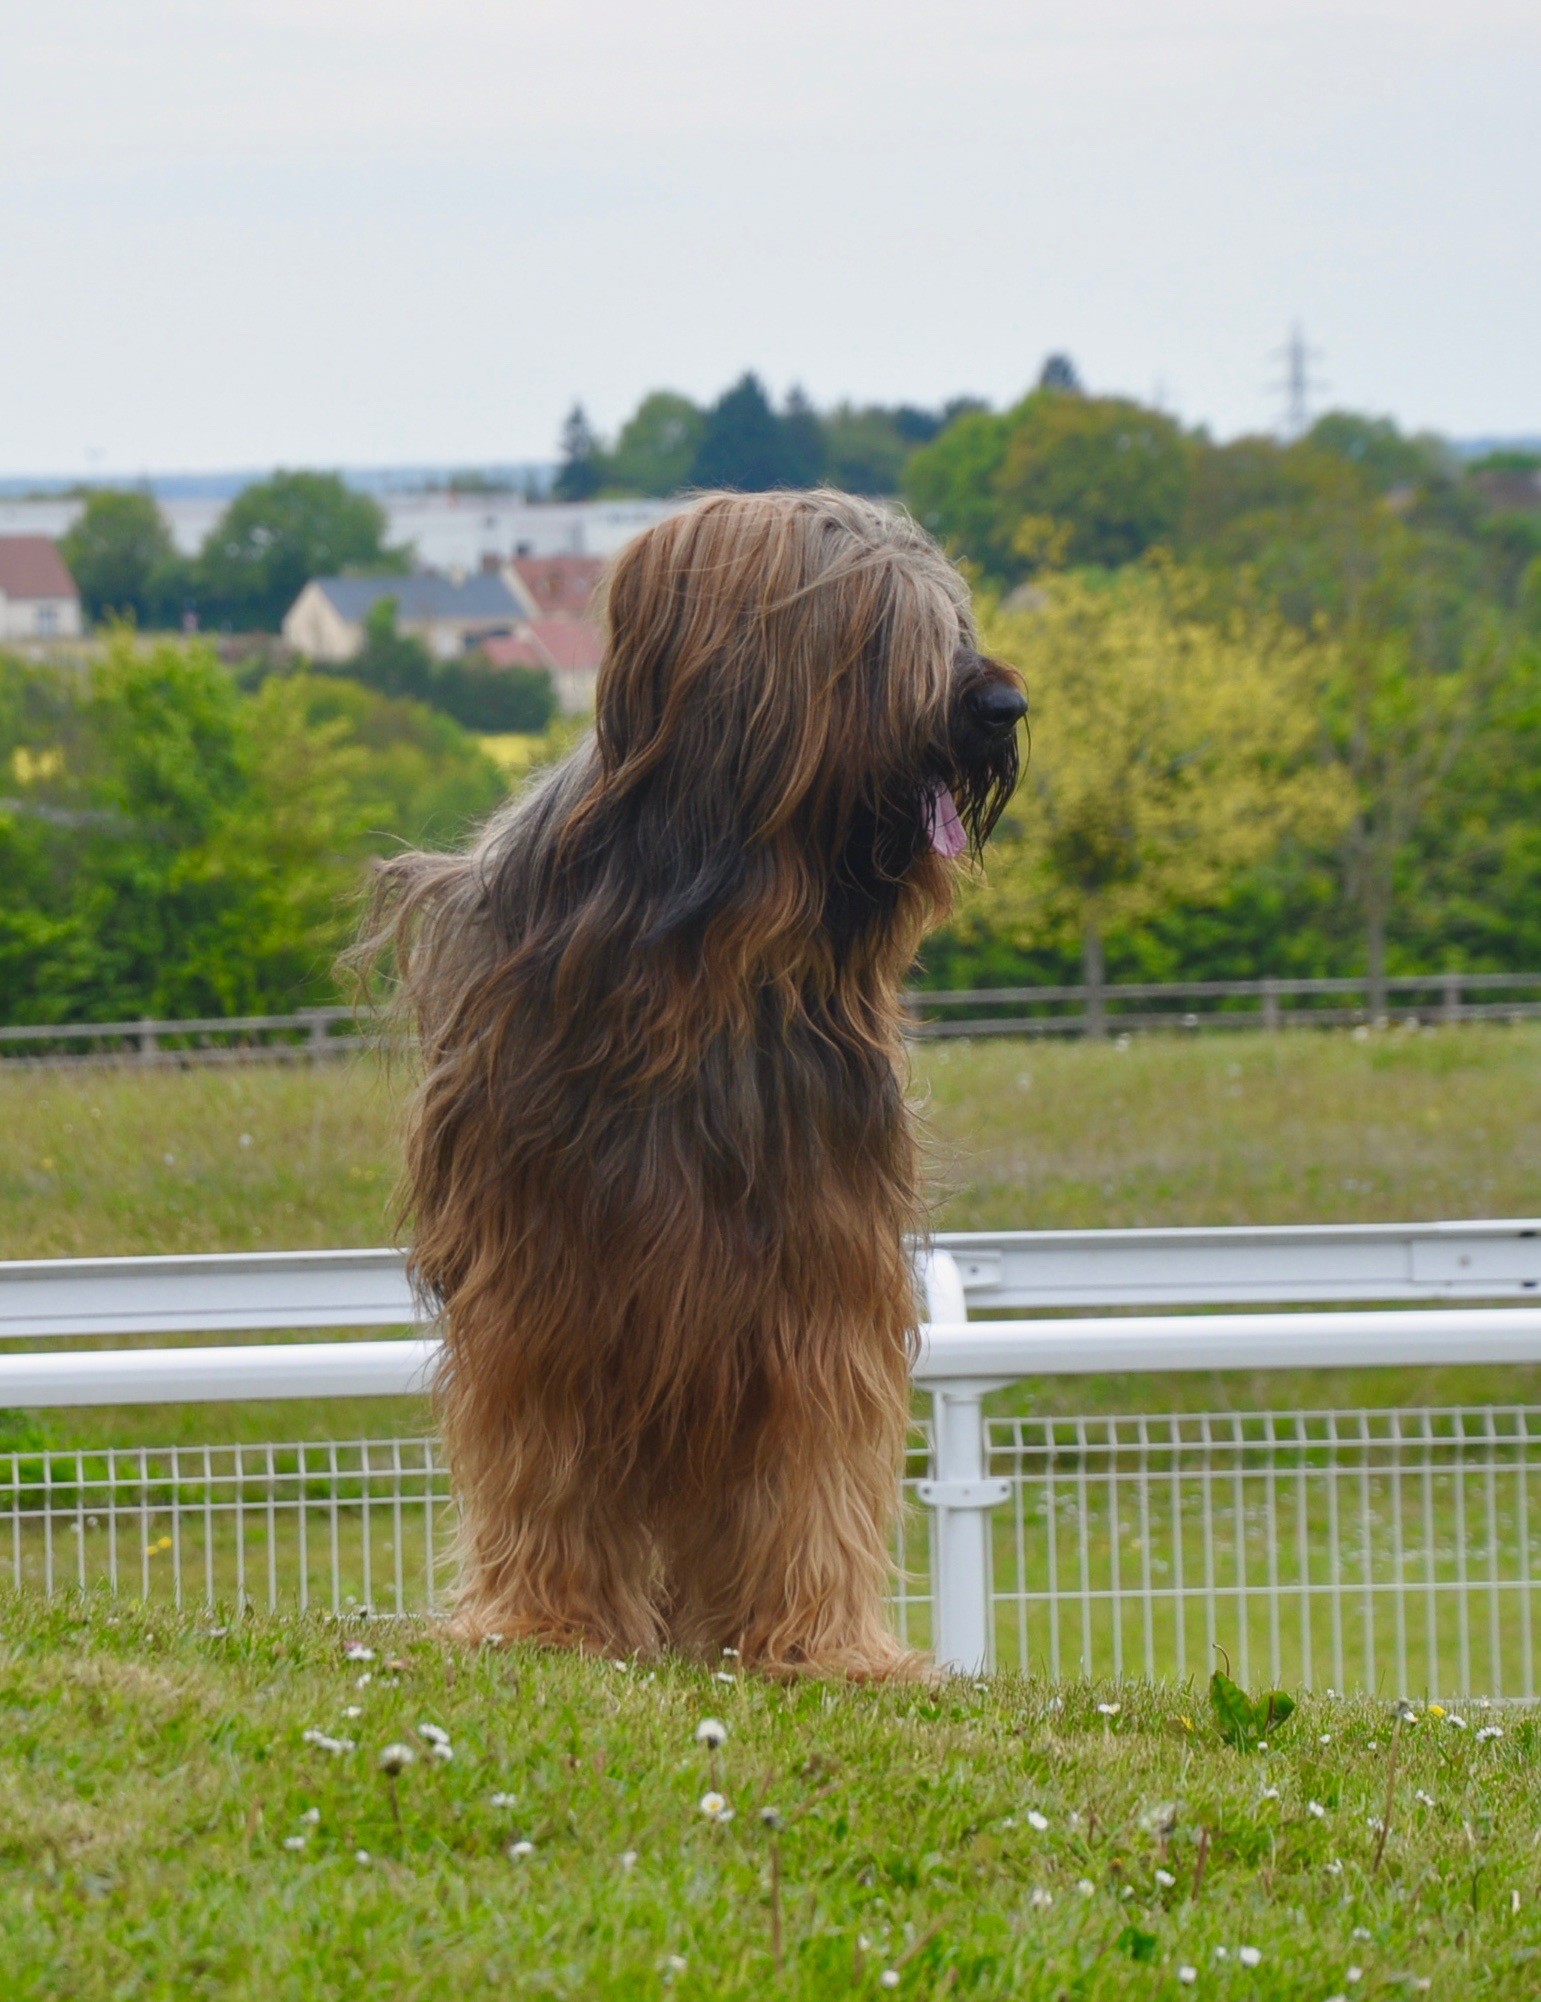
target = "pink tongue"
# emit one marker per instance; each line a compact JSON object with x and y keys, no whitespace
{"x":948,"y":836}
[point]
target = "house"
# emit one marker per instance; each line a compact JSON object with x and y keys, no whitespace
{"x":448,"y":614}
{"x":569,"y":649}
{"x":38,"y":598}
{"x":561,"y":587}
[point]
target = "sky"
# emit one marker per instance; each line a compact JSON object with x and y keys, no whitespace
{"x":390,"y":231}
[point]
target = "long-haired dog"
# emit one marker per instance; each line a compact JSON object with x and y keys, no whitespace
{"x":660,"y":1168}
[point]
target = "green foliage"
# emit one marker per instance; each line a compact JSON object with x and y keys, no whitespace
{"x":478,"y":695}
{"x":581,"y":473}
{"x":179,"y":848}
{"x":1245,"y":1721}
{"x":1091,"y":480}
{"x":278,"y":534}
{"x":122,"y":557}
{"x":744,"y":444}
{"x":657,"y":446}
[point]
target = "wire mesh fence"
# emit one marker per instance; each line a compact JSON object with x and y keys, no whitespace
{"x":1387,"y":1550}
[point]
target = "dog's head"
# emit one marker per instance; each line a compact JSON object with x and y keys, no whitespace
{"x":796,"y":727}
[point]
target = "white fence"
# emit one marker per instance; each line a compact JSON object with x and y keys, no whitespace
{"x":1337,"y":1546}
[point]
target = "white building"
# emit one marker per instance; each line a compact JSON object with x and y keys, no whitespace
{"x":38,"y":598}
{"x":448,"y":614}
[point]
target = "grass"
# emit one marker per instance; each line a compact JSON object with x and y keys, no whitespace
{"x":1168,"y":1130}
{"x":166,"y":1829}
{"x":1313,"y":1128}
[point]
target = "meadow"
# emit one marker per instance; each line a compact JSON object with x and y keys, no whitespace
{"x":192,"y":1806}
{"x":1165,"y":1130}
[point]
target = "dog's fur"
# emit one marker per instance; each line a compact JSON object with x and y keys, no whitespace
{"x":660,"y":1168}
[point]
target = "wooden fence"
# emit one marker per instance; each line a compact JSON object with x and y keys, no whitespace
{"x":1180,"y":1006}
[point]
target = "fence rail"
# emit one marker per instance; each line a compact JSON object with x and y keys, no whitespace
{"x":319,"y":1033}
{"x":1341,"y":1545}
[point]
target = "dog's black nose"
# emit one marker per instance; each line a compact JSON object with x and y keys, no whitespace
{"x":997,"y":707}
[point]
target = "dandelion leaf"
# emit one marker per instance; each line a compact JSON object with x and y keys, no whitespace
{"x":1234,"y":1712}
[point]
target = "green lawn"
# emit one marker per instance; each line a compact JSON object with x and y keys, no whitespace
{"x":1208,"y":1129}
{"x":167,"y":1830}
{"x":1203,"y":1129}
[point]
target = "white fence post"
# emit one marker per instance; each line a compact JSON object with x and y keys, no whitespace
{"x":960,"y":1498}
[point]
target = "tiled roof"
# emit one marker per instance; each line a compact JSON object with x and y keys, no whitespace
{"x":31,"y":567}
{"x":570,"y":644}
{"x":482,"y":595}
{"x":560,"y":584}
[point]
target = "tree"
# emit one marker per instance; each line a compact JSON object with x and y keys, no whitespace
{"x":743,"y":442}
{"x":1169,"y":754}
{"x":176,"y":846}
{"x":866,"y":449}
{"x":122,"y":557}
{"x":582,"y":472}
{"x":278,"y":534}
{"x":950,"y":484}
{"x":657,"y":446}
{"x":1095,"y":479}
{"x":802,"y":442}
{"x":478,"y":695}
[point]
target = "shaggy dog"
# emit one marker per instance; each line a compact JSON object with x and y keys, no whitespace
{"x":660,"y":1168}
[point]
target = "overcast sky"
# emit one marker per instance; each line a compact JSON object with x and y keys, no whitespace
{"x":375,"y":231}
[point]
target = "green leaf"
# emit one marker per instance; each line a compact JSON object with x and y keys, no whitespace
{"x":1276,"y":1707}
{"x":1234,"y":1713}
{"x":1137,"y":1944}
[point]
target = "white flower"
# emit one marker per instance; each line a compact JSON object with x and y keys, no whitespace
{"x":675,"y":1964}
{"x":1353,"y":1974}
{"x":1269,"y":1793}
{"x":1248,"y":1956}
{"x":1361,"y":1932}
{"x":1109,"y":1709}
{"x":1041,"y":1899}
{"x":433,"y":1734}
{"x":295,"y":1841}
{"x":519,"y":1850}
{"x":1457,"y":1723}
{"x":730,"y":1654}
{"x":1374,"y":1823}
{"x":1187,"y":1975}
{"x":1334,"y":1868}
{"x":1488,"y":1733}
{"x":1165,"y":1879}
{"x":364,"y":1680}
{"x":1315,"y":1807}
{"x":715,"y":1807}
{"x":1085,"y":1886}
{"x":354,"y":1710}
{"x":396,"y":1758}
{"x":325,"y":1743}
{"x":722,"y":1675}
{"x":1325,"y":1738}
{"x":1036,"y":1820}
{"x":773,"y":1819}
{"x":623,"y":1666}
{"x":361,"y":1855}
{"x":1514,"y":1903}
{"x":492,"y":1640}
{"x":711,"y":1732}
{"x":889,"y":1978}
{"x":628,"y":1859}
{"x":503,"y":1800}
{"x":356,"y":1651}
{"x":313,"y":1816}
{"x":1222,"y":1953}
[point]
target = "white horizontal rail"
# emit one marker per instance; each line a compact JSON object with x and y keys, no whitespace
{"x":48,"y":1298}
{"x":950,"y":1352}
{"x":215,"y":1376}
{"x":44,"y":1299}
{"x":1275,"y":1265}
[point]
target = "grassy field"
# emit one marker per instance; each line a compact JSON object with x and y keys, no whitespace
{"x":1266,"y":1129}
{"x":1245,"y":1129}
{"x":168,"y":1830}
